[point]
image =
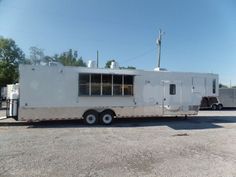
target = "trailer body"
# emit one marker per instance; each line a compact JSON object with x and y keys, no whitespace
{"x":62,"y":92}
{"x":227,"y":97}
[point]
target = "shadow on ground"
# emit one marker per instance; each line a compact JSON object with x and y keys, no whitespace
{"x":224,"y":109}
{"x":179,"y":123}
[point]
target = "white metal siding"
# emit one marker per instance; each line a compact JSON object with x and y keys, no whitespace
{"x":53,"y":92}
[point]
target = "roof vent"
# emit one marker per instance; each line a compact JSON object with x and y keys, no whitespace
{"x":160,"y":69}
{"x":92,"y":64}
{"x":114,"y":65}
{"x":54,"y":63}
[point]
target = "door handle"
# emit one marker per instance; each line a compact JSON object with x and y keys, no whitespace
{"x":164,"y":99}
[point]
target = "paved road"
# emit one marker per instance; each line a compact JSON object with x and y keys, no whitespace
{"x":200,"y":146}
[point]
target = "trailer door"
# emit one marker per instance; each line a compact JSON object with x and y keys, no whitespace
{"x":172,"y":97}
{"x":199,"y":85}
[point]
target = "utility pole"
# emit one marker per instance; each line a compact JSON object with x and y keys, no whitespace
{"x":97,"y":58}
{"x":158,"y":42}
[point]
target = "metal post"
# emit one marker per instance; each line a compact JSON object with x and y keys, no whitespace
{"x":159,"y":48}
{"x":97,"y":58}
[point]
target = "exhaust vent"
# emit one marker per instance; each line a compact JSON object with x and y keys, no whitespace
{"x":114,"y":65}
{"x":92,"y":64}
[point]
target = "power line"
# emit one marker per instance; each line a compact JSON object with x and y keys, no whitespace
{"x":140,"y":55}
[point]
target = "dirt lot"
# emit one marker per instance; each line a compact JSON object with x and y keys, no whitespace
{"x":200,"y":146}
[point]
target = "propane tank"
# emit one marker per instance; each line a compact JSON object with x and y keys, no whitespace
{"x":13,"y":104}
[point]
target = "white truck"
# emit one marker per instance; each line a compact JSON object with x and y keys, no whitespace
{"x":99,"y":95}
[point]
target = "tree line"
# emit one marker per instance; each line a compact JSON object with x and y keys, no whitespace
{"x":11,"y":56}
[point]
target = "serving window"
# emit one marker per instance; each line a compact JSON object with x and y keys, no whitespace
{"x":105,"y":85}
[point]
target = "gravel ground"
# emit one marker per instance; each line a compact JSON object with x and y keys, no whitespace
{"x":199,"y":146}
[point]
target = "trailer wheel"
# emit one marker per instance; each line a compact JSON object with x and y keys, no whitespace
{"x":90,"y":117}
{"x":220,"y":107}
{"x":106,"y":117}
{"x":214,"y":107}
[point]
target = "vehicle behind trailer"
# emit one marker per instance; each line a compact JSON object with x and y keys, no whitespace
{"x":227,"y":97}
{"x":211,"y":102}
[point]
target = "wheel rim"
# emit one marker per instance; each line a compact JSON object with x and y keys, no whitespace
{"x":107,"y":118}
{"x":91,"y":119}
{"x":214,"y":107}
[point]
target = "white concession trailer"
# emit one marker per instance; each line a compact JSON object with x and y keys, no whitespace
{"x":99,"y":95}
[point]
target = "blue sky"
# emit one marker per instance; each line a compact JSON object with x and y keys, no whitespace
{"x":200,"y":35}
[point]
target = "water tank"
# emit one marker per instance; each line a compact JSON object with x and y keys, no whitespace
{"x":92,"y":64}
{"x":114,"y":65}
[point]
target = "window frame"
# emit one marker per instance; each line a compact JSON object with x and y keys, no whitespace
{"x":126,"y":84}
{"x":214,"y":86}
{"x":117,"y":85}
{"x":89,"y":80}
{"x":172,"y":89}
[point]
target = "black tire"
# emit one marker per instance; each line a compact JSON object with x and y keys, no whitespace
{"x":214,"y":107}
{"x":220,"y":107}
{"x":106,"y":117}
{"x":90,"y":117}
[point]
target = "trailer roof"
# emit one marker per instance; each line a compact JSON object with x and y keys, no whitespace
{"x":108,"y":70}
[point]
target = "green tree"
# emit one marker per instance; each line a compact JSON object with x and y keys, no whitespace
{"x":222,"y":86}
{"x":48,"y":59}
{"x":8,"y":73}
{"x":129,"y":67}
{"x":10,"y":57}
{"x":70,"y":58}
{"x":10,"y":52}
{"x":36,"y":55}
{"x":108,"y":64}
